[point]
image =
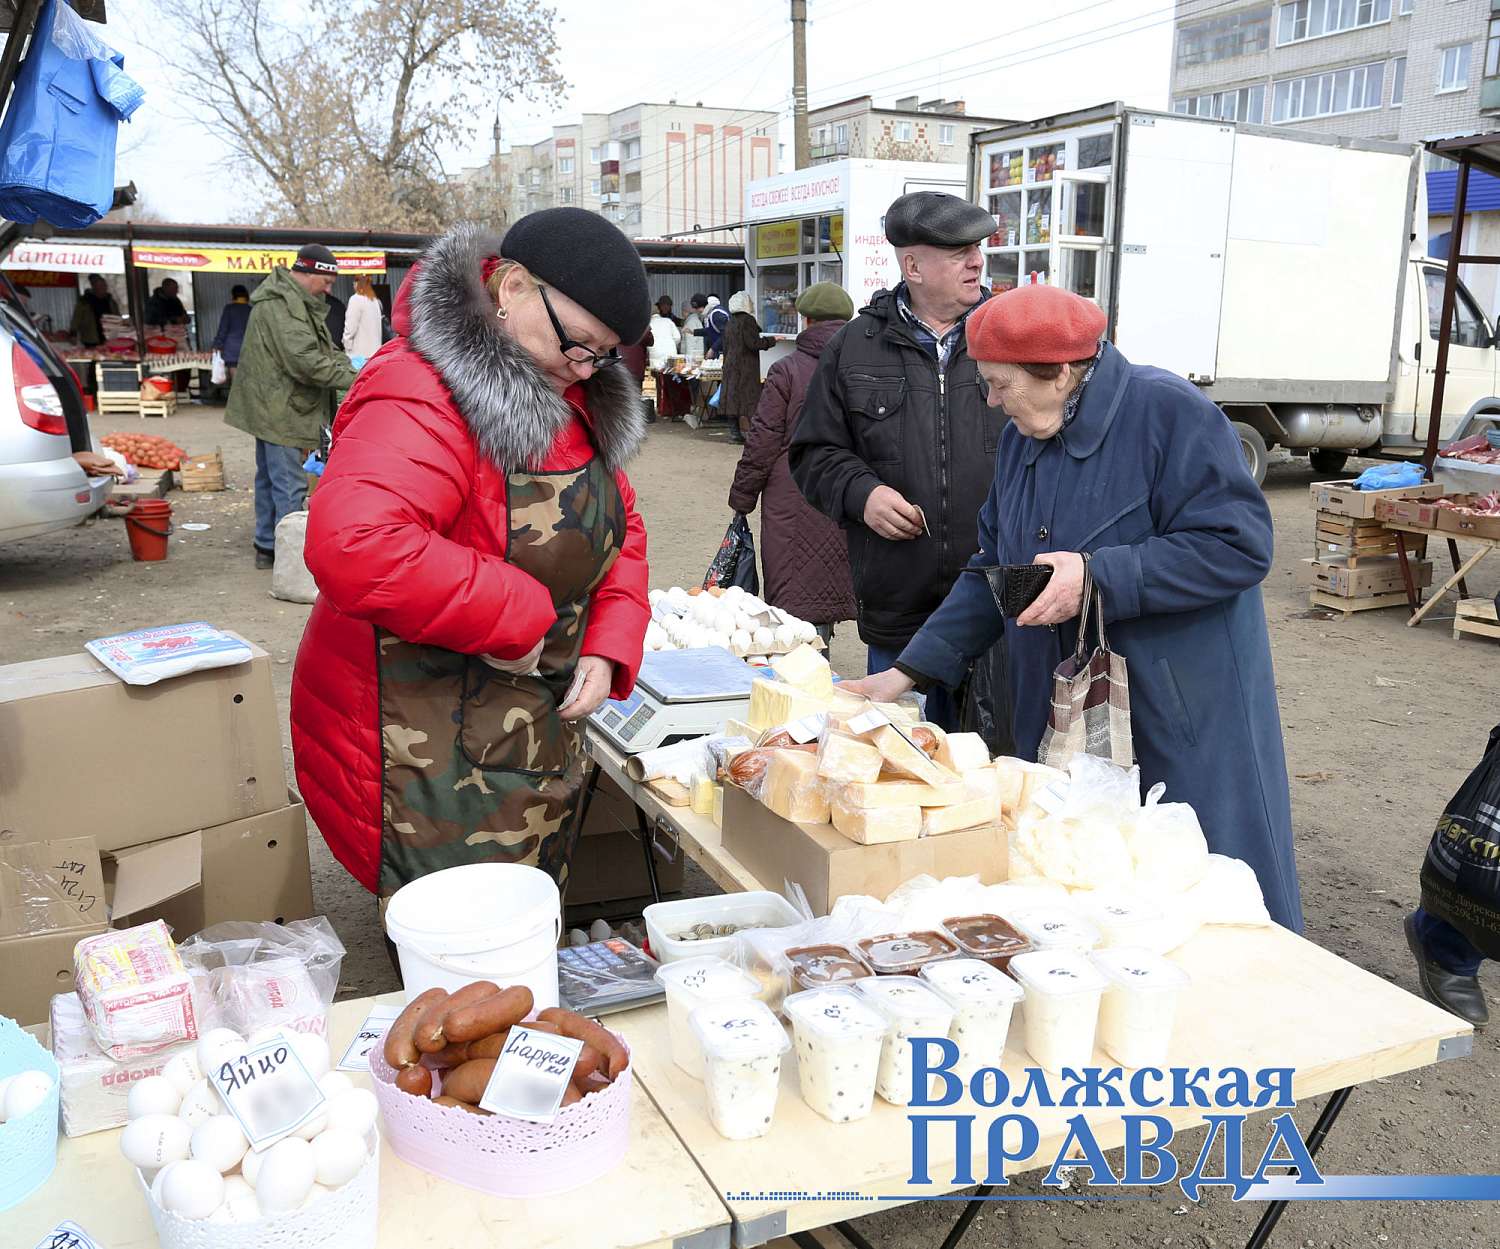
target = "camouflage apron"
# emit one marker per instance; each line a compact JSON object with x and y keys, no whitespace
{"x":478,"y":766}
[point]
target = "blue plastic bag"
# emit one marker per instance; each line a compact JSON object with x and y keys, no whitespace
{"x":714,"y":401}
{"x":1390,"y":477}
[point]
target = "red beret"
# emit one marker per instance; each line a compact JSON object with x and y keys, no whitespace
{"x":1035,"y":325}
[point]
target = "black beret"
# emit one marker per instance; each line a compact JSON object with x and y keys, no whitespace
{"x":588,"y":260}
{"x":937,"y":219}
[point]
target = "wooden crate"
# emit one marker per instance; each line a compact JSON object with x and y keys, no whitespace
{"x":1340,"y":497}
{"x":165,"y":406}
{"x":1381,"y":575}
{"x":202,"y":471}
{"x":1352,"y":537}
{"x":1337,"y":602}
{"x":1476,"y":616}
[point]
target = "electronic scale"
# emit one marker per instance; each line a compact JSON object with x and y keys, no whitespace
{"x":678,"y":695}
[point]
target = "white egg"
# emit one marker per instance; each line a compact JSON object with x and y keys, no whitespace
{"x":211,"y":1042}
{"x":678,"y":597}
{"x":155,"y":1140}
{"x":339,"y":1154}
{"x":762,"y":638}
{"x":200,"y":1105}
{"x":155,"y":1095}
{"x":25,"y":1092}
{"x":655,"y":596}
{"x":704,"y":610}
{"x":157,"y":1181}
{"x":313,"y":1051}
{"x":315,"y":1194}
{"x":335,"y":1082}
{"x":318,"y":1123}
{"x":286,"y":1174}
{"x":219,"y":1142}
{"x":250,"y":1166}
{"x":718,"y":639}
{"x":785,"y":635}
{"x":739,"y":642}
{"x":261,"y":1035}
{"x":724,"y":620}
{"x":355,"y":1110}
{"x":744,"y":620}
{"x":732,"y":593}
{"x":239,"y":1200}
{"x":184,"y":1071}
{"x":4,"y":1084}
{"x":192,"y":1189}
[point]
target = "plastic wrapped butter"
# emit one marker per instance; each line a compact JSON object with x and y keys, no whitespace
{"x":842,"y":759}
{"x":950,"y":819}
{"x":793,"y":789}
{"x":875,"y":825}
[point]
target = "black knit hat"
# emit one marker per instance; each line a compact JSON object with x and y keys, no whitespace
{"x":315,"y":258}
{"x":588,"y":260}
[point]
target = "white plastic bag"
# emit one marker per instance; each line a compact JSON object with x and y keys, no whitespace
{"x":290,"y":579}
{"x":1167,"y":845}
{"x":218,"y":372}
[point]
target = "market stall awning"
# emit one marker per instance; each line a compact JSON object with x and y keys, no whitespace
{"x":53,"y":257}
{"x":251,"y":260}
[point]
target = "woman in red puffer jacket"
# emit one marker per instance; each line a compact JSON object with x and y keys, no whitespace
{"x":481,"y":564}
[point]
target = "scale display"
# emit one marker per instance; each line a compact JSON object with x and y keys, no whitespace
{"x":678,"y":694}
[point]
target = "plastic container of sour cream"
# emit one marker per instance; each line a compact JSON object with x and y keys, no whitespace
{"x":742,"y":1044}
{"x":689,"y":984}
{"x":911,"y":1009}
{"x":983,"y":999}
{"x":1140,"y":1004}
{"x":1063,"y":991}
{"x":839,"y":1037}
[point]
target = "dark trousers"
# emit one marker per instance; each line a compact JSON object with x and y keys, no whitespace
{"x":1446,"y":946}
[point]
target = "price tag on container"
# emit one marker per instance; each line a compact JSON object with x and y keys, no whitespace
{"x":268,"y":1091}
{"x":68,"y":1235}
{"x":357,"y":1056}
{"x":865,"y":721}
{"x":532,"y":1075}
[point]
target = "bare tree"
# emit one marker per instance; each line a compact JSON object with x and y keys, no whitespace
{"x":338,"y":111}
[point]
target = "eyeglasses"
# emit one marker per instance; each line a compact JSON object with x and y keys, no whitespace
{"x":574,"y":351}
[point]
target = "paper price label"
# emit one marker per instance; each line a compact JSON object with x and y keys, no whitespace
{"x":532,"y":1075}
{"x":268,"y":1091}
{"x":1052,"y":798}
{"x":68,"y":1235}
{"x":865,"y":721}
{"x":357,"y":1056}
{"x":809,"y":728}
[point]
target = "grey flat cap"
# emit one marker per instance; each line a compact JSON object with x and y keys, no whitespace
{"x":937,"y":219}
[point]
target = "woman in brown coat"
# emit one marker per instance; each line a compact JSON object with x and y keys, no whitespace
{"x":803,"y":553}
{"x":743,"y":343}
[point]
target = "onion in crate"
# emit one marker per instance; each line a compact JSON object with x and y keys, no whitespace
{"x":155,"y":1095}
{"x":184,"y":1071}
{"x":286,"y":1175}
{"x":200,"y":1105}
{"x":154,"y":1140}
{"x":338,"y":1154}
{"x":192,"y":1189}
{"x":219,"y":1142}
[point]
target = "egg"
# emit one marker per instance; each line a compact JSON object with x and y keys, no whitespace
{"x":192,"y":1189}
{"x":25,"y":1092}
{"x":315,"y":1194}
{"x":155,"y":1095}
{"x":240,"y":1202}
{"x":678,"y":597}
{"x":806,"y":631}
{"x":339,"y":1154}
{"x":355,"y":1110}
{"x":4,"y":1084}
{"x":316,"y":1124}
{"x":763,"y":638}
{"x":336,"y":1082}
{"x":211,"y":1042}
{"x":785,"y":635}
{"x":200,"y":1104}
{"x":313,"y":1051}
{"x":250,"y":1166}
{"x":724,"y":621}
{"x":733,"y":593}
{"x":286,"y":1175}
{"x":655,"y":596}
{"x":704,"y":610}
{"x":184,"y":1071}
{"x":219,"y":1142}
{"x":157,"y":1181}
{"x":739,"y":642}
{"x":718,"y":639}
{"x":155,"y":1140}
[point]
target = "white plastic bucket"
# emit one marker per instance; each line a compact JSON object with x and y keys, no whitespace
{"x":482,"y":921}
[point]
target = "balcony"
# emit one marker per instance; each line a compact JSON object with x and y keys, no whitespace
{"x":820,"y":152}
{"x":1489,"y":94}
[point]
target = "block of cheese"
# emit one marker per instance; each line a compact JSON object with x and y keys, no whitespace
{"x":983,"y":783}
{"x":963,"y":751}
{"x":871,"y":826}
{"x":1020,"y":779}
{"x":899,"y":713}
{"x":805,"y":669}
{"x":842,"y":759}
{"x":793,"y":789}
{"x":738,"y":728}
{"x":902,"y":794}
{"x":844,"y":704}
{"x":774,"y":703}
{"x":703,"y":796}
{"x":950,"y":819}
{"x":718,"y":806}
{"x":906,"y":759}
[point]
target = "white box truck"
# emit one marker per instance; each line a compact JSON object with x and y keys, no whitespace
{"x":1282,"y":272}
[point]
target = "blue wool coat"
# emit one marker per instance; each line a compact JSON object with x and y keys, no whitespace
{"x":1149,"y":480}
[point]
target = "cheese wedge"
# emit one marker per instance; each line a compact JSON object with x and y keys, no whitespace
{"x":906,"y":759}
{"x":844,"y":704}
{"x":842,"y":759}
{"x":793,"y":789}
{"x":950,"y":819}
{"x":963,"y":751}
{"x":774,"y":703}
{"x":899,"y":713}
{"x":983,"y":783}
{"x":805,"y":669}
{"x":902,"y":794}
{"x":871,"y":826}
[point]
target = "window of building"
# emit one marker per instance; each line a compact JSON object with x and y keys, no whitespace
{"x":1453,"y":68}
{"x":1219,"y":38}
{"x":595,"y":155}
{"x":565,"y":195}
{"x":903,"y":132}
{"x":1492,"y":50}
{"x":1405,"y":9}
{"x":945,"y":136}
{"x":633,"y":150}
{"x":594,"y":184}
{"x":841,"y":134}
{"x":1309,"y":19}
{"x":536,"y":177}
{"x":564,"y":164}
{"x":1325,"y":95}
{"x":1398,"y":82}
{"x":1242,"y":104}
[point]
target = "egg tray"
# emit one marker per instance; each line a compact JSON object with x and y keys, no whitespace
{"x":500,"y":1155}
{"x":348,"y":1217}
{"x":28,"y":1143}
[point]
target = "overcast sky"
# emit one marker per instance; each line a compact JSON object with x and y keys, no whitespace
{"x":1004,"y":59}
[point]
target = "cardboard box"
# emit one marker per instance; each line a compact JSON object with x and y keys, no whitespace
{"x":132,"y":764}
{"x":1421,"y":513}
{"x":1342,"y":498}
{"x":1371,"y":576}
{"x":608,"y":865}
{"x":51,"y":896}
{"x":1453,"y":522}
{"x":828,"y":865}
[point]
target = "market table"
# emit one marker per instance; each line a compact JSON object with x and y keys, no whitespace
{"x":655,"y":1199}
{"x":1260,"y":998}
{"x":1420,"y":610}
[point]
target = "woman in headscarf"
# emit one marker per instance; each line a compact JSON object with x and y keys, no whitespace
{"x":481,"y":564}
{"x":743,"y":343}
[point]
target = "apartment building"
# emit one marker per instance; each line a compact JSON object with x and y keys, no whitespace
{"x":928,"y":130}
{"x":1386,"y":69}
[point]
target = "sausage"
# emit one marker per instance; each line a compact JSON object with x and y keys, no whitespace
{"x":499,"y":1011}
{"x":430,"y":1036}
{"x":571,"y":1094}
{"x":455,"y":1104}
{"x":581,"y":1029}
{"x":400,"y":1040}
{"x":467,"y":1083}
{"x":926,"y":739}
{"x":454,"y":1055}
{"x":594,"y":1082}
{"x":415,"y":1080}
{"x":488,"y":1046}
{"x":589,"y":1061}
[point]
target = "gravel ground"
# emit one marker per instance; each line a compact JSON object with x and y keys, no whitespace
{"x":1382,"y":724}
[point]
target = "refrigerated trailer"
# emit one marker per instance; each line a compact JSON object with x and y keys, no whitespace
{"x":1284,"y":273}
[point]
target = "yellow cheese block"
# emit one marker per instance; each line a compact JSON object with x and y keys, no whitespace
{"x":793,"y":789}
{"x":774,"y":703}
{"x":842,"y":759}
{"x":843,"y":704}
{"x":703,"y":796}
{"x":905,"y":759}
{"x":718,"y":806}
{"x":899,"y":713}
{"x":962,"y":751}
{"x":805,"y":669}
{"x":1020,"y":779}
{"x":902,"y":794}
{"x":950,"y":819}
{"x":873,"y":825}
{"x":983,"y":783}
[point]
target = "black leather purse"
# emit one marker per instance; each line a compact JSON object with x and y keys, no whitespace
{"x":1015,"y":586}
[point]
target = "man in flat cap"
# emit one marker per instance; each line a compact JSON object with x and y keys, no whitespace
{"x":895,"y":442}
{"x":287,"y":385}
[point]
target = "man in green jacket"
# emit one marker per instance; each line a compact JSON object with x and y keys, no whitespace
{"x":287,"y":385}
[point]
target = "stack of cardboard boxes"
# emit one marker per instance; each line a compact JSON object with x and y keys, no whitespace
{"x":120,"y":804}
{"x":1357,"y":566}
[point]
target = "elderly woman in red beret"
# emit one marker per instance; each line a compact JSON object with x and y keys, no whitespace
{"x":1131,"y":469}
